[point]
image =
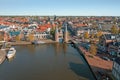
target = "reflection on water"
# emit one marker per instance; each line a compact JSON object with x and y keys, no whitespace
{"x":11,"y":59}
{"x":65,"y":48}
{"x":60,"y":48}
{"x":45,"y":62}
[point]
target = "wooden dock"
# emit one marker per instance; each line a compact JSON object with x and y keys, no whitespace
{"x":2,"y":56}
{"x":20,"y":43}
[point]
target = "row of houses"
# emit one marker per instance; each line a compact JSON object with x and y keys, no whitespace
{"x":24,"y":33}
{"x":116,"y":69}
{"x":110,"y":43}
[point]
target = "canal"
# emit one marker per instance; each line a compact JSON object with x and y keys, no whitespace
{"x":45,"y":62}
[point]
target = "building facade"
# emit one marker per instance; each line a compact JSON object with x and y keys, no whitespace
{"x":116,"y":69}
{"x":114,"y":49}
{"x":41,"y":36}
{"x":61,"y":35}
{"x":65,"y":34}
{"x":56,"y":35}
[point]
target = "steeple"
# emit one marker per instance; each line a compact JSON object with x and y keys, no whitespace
{"x":56,"y":35}
{"x":65,"y":34}
{"x":66,"y":28}
{"x":54,"y":17}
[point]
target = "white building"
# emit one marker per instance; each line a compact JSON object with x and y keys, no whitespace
{"x":116,"y":69}
{"x":41,"y":35}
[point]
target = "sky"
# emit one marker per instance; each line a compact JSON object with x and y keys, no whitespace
{"x":60,"y":7}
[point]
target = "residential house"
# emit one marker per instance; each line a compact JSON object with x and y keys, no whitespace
{"x":81,"y":30}
{"x":114,"y":49}
{"x":116,"y":68}
{"x":105,"y":40}
{"x":41,"y":35}
{"x":43,"y":32}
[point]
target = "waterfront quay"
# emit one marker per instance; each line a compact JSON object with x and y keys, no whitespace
{"x":81,"y":52}
{"x":29,"y":42}
{"x":101,"y":69}
{"x":2,"y":56}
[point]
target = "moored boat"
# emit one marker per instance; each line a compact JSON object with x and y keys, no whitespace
{"x":11,"y":53}
{"x":37,"y":42}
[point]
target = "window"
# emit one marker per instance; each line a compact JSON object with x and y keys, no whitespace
{"x":114,"y":65}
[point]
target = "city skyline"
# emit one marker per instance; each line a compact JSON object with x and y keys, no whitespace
{"x":60,"y":8}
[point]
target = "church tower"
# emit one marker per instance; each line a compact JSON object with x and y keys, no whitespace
{"x":56,"y":35}
{"x":65,"y":34}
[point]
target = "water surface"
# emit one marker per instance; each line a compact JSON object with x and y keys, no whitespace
{"x":45,"y":62}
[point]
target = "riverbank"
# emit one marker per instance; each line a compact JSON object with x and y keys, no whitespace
{"x":97,"y":64}
{"x":2,"y":56}
{"x":28,"y":42}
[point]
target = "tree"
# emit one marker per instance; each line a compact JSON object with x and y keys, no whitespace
{"x":119,"y":30}
{"x":59,"y":26}
{"x":99,"y":33}
{"x":93,"y":49}
{"x":17,"y":38}
{"x":86,"y":35}
{"x":1,"y":37}
{"x":31,"y":37}
{"x":92,"y":35}
{"x":52,"y":31}
{"x":114,"y":29}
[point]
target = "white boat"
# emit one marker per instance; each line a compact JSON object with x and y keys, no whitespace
{"x":11,"y":53}
{"x":37,"y":42}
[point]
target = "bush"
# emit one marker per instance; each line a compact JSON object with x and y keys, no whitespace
{"x":91,"y":56}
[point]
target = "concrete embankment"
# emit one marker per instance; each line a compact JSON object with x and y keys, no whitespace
{"x":76,"y":45}
{"x":2,"y":56}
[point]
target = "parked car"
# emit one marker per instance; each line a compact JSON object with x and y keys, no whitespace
{"x":105,"y":58}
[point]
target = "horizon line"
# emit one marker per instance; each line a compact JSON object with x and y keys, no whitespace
{"x":59,"y":15}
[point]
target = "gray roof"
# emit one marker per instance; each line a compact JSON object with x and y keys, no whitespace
{"x":117,"y":60}
{"x":117,"y":44}
{"x":106,"y":26}
{"x":111,"y":36}
{"x":82,"y":28}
